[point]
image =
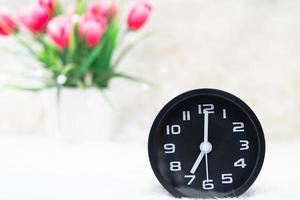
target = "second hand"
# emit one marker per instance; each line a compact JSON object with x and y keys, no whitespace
{"x":206,"y":166}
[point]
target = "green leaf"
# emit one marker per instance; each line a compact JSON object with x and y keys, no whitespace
{"x":11,"y":51}
{"x":58,"y":9}
{"x":91,"y":58}
{"x":80,"y":84}
{"x":69,"y":67}
{"x":106,"y":97}
{"x":31,"y":89}
{"x":56,"y":69}
{"x":132,"y":78}
{"x":111,"y":46}
{"x":27,"y":46}
{"x":48,"y":56}
{"x":101,"y":67}
{"x":127,"y":49}
{"x":80,"y":6}
{"x":73,"y":44}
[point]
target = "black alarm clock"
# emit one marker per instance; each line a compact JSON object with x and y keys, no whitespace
{"x":206,"y":143}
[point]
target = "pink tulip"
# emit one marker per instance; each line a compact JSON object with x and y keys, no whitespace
{"x":49,"y":5}
{"x":91,"y":30}
{"x":34,"y":18}
{"x":59,"y":31}
{"x":138,"y":15}
{"x":7,"y":25}
{"x":104,"y":9}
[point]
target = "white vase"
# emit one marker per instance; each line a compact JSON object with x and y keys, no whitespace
{"x":78,"y":115}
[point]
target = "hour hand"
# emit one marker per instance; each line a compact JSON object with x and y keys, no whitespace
{"x":197,"y":162}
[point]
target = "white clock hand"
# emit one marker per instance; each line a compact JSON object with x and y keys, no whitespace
{"x":205,"y":127}
{"x":197,"y":162}
{"x":205,"y":146}
{"x":206,"y":166}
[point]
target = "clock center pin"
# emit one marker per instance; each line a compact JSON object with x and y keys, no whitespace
{"x":205,"y":147}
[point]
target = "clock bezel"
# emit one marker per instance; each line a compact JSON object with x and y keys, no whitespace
{"x":229,"y":97}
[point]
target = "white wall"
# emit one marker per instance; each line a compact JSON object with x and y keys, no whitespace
{"x":249,"y":48}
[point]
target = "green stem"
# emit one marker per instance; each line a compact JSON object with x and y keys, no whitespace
{"x":17,"y":87}
{"x":26,"y":46}
{"x":132,"y":78}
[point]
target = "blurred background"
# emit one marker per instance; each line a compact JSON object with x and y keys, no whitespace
{"x":248,"y":48}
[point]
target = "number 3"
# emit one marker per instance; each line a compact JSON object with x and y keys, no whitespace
{"x":244,"y":145}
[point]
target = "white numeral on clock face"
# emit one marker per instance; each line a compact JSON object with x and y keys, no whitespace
{"x":227,"y":178}
{"x":169,"y":148}
{"x":240,"y":163}
{"x":206,"y":108}
{"x":238,"y":127}
{"x":173,"y":129}
{"x":208,"y":185}
{"x":175,"y":166}
{"x":191,"y":177}
{"x":186,"y":115}
{"x":244,"y":145}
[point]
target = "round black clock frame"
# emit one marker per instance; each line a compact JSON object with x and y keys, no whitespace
{"x":156,"y":160}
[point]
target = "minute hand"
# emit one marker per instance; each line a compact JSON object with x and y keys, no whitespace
{"x":205,"y":127}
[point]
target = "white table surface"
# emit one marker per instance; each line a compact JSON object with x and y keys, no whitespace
{"x":43,"y":169}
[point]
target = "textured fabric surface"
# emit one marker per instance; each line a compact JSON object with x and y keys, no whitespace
{"x":40,"y":169}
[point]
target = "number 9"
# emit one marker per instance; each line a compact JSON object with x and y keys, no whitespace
{"x":169,"y":148}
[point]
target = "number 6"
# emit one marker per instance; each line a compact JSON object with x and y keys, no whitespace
{"x":208,"y":185}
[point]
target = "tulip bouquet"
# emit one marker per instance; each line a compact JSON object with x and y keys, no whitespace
{"x":77,"y":46}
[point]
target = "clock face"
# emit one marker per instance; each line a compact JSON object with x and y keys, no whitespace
{"x":206,"y":143}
